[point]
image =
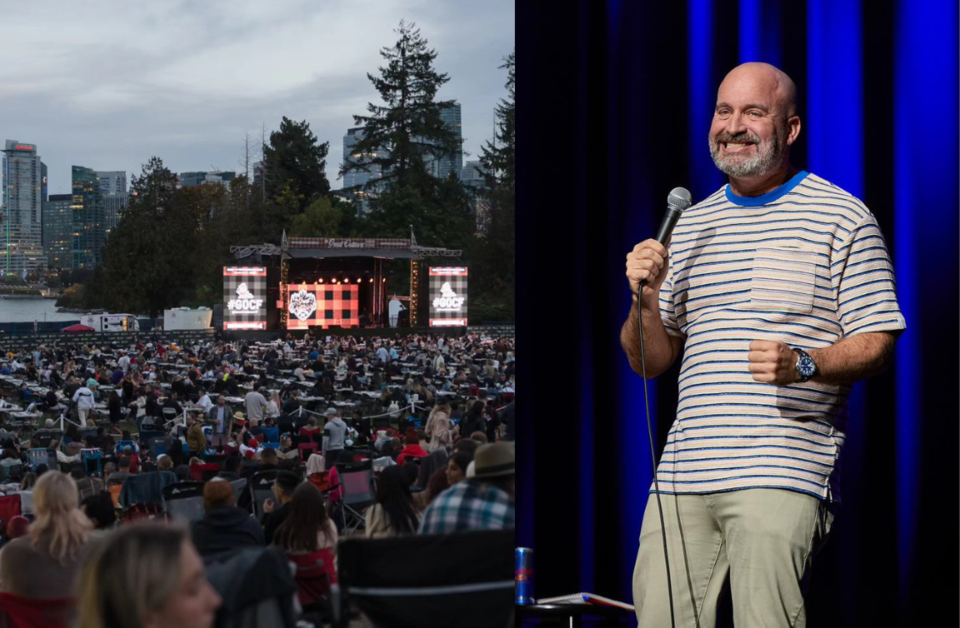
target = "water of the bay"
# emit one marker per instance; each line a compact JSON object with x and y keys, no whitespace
{"x":30,"y":310}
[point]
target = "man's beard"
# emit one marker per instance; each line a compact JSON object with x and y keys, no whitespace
{"x":767,"y":157}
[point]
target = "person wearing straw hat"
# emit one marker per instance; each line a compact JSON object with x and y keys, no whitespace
{"x":482,"y":502}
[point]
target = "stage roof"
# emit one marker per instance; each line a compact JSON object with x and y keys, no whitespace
{"x":301,"y":248}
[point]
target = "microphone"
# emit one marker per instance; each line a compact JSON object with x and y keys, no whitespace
{"x":678,"y":200}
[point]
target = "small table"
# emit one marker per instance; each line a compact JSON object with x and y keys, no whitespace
{"x":572,"y":615}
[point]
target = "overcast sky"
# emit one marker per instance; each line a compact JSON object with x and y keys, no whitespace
{"x":108,"y":84}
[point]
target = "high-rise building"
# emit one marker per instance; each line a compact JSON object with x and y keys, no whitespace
{"x":21,"y":205}
{"x":451,"y":163}
{"x":58,"y":231}
{"x":472,"y":175}
{"x":113,"y":189}
{"x":192,"y":179}
{"x":89,"y":218}
{"x":357,"y":178}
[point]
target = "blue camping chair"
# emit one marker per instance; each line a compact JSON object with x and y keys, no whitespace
{"x":92,"y":461}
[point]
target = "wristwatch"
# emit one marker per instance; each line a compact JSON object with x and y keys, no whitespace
{"x":806,"y":367}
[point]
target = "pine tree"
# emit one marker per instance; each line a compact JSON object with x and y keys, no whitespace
{"x":496,"y":258}
{"x":400,"y":135}
{"x":294,"y":159}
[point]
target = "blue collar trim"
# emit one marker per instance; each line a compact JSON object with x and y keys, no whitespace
{"x":769,"y":197}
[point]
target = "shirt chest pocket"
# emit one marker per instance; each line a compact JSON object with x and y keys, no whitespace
{"x":783,"y":280}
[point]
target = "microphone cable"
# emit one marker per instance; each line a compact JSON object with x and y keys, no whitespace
{"x":656,"y":483}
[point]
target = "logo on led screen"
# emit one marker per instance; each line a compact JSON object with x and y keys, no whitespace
{"x":448,"y":301}
{"x":245,"y":301}
{"x":303,"y":304}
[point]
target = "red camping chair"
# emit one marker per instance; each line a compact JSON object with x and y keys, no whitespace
{"x":310,"y":447}
{"x":24,"y":612}
{"x":315,"y":574}
{"x":197,"y":471}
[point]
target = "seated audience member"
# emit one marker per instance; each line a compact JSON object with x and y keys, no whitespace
{"x":307,"y":528}
{"x":121,"y":474}
{"x":276,"y":512}
{"x":224,"y":527}
{"x":29,"y":481}
{"x":164,"y":463}
{"x":436,"y":484}
{"x":395,"y":512}
{"x":100,"y":511}
{"x":310,"y":431}
{"x":467,"y":445}
{"x":146,"y":575}
{"x":45,"y":564}
{"x":457,"y":467}
{"x":87,"y":486}
{"x":183,"y":472}
{"x":412,"y":448}
{"x":17,"y":527}
{"x":287,"y":449}
{"x":231,"y":468}
{"x":484,"y":502}
{"x":480,"y":437}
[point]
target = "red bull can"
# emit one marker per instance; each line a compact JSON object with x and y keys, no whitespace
{"x":523,"y":574}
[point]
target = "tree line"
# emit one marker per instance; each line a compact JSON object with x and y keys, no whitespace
{"x":170,"y":245}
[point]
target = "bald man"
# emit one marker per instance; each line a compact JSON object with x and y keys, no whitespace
{"x":779,"y":291}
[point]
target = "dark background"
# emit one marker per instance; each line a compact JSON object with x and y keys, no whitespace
{"x":614,"y":100}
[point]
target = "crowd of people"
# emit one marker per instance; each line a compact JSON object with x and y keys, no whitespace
{"x":86,"y":543}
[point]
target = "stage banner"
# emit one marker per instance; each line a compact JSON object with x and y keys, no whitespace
{"x":448,"y":296}
{"x":322,"y":305}
{"x":244,"y":297}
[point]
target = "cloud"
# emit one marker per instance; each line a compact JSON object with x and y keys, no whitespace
{"x":110,"y":84}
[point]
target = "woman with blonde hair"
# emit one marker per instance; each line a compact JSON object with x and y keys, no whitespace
{"x":273,"y":408}
{"x":439,"y":427}
{"x":147,"y":575}
{"x":45,"y":563}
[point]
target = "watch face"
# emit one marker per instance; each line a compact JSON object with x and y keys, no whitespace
{"x":806,"y":366}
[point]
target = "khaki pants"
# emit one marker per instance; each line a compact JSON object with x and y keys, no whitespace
{"x":82,"y":414}
{"x":763,"y":539}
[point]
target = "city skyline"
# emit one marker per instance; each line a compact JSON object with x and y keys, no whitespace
{"x":186,"y":85}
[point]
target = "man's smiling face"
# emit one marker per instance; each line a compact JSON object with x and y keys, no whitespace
{"x":749,"y":135}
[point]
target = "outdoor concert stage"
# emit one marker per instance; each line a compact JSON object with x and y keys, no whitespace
{"x":340,"y":284}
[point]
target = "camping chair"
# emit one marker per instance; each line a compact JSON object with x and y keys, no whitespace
{"x":203,"y":472}
{"x":26,"y":502}
{"x":146,"y":488}
{"x":310,"y":447}
{"x":92,"y":461}
{"x":11,"y":472}
{"x":44,"y":436}
{"x":256,"y":586}
{"x":238,"y":486}
{"x":159,"y":445}
{"x":271,"y":434}
{"x":169,"y":414}
{"x":261,"y":489}
{"x":23,"y":612}
{"x":420,"y":580}
{"x":38,"y":456}
{"x":184,"y":501}
{"x":126,"y":443}
{"x":115,"y":494}
{"x":358,"y":493}
{"x":315,"y":573}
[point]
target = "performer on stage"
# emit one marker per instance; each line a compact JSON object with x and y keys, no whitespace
{"x":780,"y":292}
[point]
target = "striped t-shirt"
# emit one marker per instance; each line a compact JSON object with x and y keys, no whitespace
{"x":804,"y":264}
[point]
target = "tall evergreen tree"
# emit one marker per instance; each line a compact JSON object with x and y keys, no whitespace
{"x":496,"y":256}
{"x":400,"y":135}
{"x":295,"y":159}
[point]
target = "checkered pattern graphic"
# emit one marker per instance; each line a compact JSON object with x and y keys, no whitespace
{"x":448,"y":306}
{"x":254,"y":278}
{"x":322,"y":305}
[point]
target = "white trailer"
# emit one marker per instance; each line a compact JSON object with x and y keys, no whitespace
{"x":111,"y":322}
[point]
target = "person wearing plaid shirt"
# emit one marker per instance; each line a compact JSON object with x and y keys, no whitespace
{"x":483,"y":502}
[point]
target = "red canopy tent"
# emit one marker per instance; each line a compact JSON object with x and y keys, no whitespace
{"x":78,"y":327}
